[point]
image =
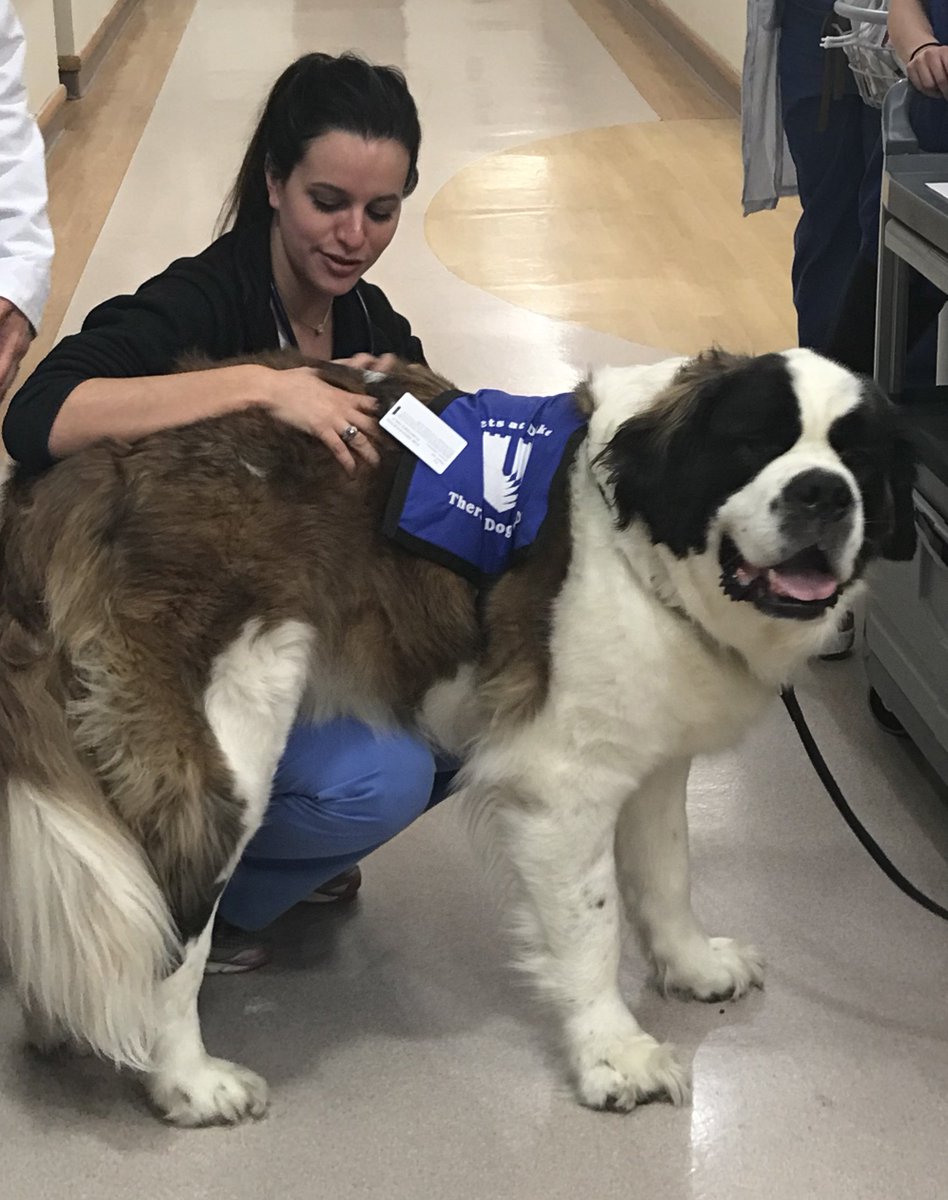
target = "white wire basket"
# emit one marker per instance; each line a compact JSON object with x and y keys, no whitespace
{"x":871,"y":59}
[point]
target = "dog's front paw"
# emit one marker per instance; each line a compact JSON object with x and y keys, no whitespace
{"x":712,"y":969}
{"x":216,"y":1093}
{"x":618,"y":1075}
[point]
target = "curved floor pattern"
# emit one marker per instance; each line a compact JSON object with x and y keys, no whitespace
{"x":508,"y":87}
{"x":634,"y":230}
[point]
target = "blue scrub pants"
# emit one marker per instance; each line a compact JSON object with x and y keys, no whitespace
{"x":838,"y":166}
{"x":838,"y":173}
{"x":341,"y":790}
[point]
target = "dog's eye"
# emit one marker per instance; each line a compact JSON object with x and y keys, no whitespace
{"x":758,"y":441}
{"x":859,"y":459}
{"x":745,"y":430}
{"x":854,"y":454}
{"x":856,"y":440}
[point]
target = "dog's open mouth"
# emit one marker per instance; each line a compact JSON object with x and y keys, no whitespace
{"x":801,"y":587}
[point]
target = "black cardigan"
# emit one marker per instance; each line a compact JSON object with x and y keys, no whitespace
{"x":216,"y":304}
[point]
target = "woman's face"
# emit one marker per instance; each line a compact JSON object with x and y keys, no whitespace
{"x":339,"y":208}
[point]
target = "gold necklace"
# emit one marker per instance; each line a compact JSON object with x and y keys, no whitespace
{"x":318,"y":329}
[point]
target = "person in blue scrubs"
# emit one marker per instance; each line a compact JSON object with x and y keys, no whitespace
{"x":917,"y":32}
{"x":834,"y":141}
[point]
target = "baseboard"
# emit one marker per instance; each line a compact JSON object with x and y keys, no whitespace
{"x":77,"y":70}
{"x":52,"y":116}
{"x":716,"y":72}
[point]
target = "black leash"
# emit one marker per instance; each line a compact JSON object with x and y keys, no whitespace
{"x":788,"y":696}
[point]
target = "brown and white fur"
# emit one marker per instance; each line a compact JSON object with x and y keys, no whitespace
{"x":167,"y":608}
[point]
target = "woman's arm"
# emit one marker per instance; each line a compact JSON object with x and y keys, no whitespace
{"x":130,"y":409}
{"x":118,"y":377}
{"x":914,"y":41}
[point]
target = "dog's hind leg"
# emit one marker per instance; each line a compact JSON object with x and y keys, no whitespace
{"x":652,"y":856}
{"x":250,"y":704}
{"x":187,"y":1085}
{"x":563,"y":855}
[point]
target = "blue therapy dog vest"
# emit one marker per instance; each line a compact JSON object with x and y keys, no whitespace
{"x":486,"y":510}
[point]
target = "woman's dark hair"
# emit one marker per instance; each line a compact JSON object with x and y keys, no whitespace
{"x":319,"y":94}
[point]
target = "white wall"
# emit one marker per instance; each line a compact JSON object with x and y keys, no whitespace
{"x":722,"y":24}
{"x":41,"y":74}
{"x":52,"y":28}
{"x":77,"y":21}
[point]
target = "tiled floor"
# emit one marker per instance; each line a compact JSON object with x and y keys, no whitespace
{"x":406,"y":1061}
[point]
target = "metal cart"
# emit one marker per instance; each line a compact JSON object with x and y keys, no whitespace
{"x":872,"y":60}
{"x":906,"y":635}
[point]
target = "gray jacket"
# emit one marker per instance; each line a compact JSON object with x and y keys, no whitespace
{"x":768,"y":167}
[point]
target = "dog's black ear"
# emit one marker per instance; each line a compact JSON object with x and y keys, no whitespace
{"x":662,"y":438}
{"x":898,"y":543}
{"x":632,"y":465}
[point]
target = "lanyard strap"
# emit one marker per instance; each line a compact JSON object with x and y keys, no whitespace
{"x":286,"y":329}
{"x":282,"y":320}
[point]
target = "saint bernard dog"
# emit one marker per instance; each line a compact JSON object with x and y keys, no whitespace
{"x":168,"y":608}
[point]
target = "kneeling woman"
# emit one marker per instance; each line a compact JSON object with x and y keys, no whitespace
{"x":317,"y":200}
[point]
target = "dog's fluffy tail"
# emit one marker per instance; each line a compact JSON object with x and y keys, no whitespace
{"x":84,"y":924}
{"x":86,"y":929}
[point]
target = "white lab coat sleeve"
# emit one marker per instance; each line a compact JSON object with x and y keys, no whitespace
{"x":26,"y":241}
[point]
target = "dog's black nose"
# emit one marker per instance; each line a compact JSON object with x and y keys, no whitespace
{"x":819,"y":493}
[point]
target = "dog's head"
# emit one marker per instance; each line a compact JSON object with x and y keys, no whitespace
{"x":773,"y":480}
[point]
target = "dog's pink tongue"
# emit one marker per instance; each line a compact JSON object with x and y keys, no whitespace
{"x":801,"y":585}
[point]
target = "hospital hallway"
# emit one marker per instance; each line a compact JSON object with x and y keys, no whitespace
{"x":578,"y":205}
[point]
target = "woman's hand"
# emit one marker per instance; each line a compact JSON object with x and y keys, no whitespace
{"x":301,"y":398}
{"x":16,"y":334}
{"x":928,"y":72}
{"x":368,"y":362}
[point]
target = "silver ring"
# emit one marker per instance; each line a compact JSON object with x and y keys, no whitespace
{"x":349,"y":434}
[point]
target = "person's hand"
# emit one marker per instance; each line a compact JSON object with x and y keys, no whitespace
{"x":16,"y":333}
{"x":928,"y":72}
{"x":369,"y":362}
{"x":299,"y":397}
